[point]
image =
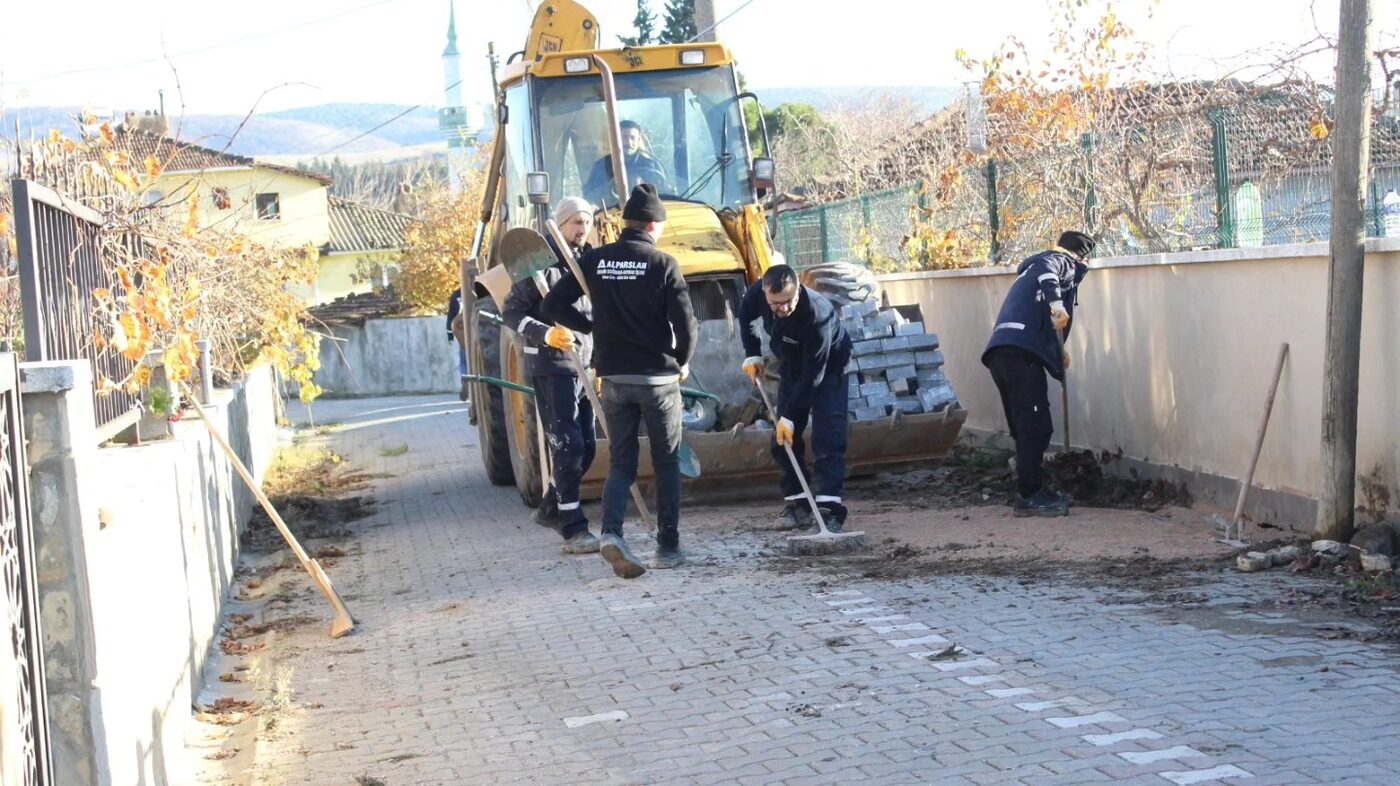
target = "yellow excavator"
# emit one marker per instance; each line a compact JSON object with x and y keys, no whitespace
{"x":559,"y":104}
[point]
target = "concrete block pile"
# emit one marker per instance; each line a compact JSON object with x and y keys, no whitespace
{"x":895,"y":364}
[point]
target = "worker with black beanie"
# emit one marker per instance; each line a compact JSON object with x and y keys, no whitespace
{"x":644,"y":336}
{"x":1024,"y":348}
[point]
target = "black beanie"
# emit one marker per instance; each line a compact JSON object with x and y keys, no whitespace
{"x":644,"y":205}
{"x":1076,"y":243}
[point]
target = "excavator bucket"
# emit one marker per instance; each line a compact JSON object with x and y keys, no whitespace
{"x":740,"y":462}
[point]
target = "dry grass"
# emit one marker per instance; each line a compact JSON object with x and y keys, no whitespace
{"x":311,"y":470}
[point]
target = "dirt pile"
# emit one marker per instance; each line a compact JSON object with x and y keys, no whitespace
{"x":307,"y":517}
{"x":1080,"y":474}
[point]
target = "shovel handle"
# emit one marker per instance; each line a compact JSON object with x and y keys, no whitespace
{"x":593,"y":399}
{"x":1064,"y":385}
{"x":796,"y":465}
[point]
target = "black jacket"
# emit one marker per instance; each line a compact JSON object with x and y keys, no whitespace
{"x":810,"y":342}
{"x":642,"y":322}
{"x":454,"y":307}
{"x":641,"y":168}
{"x":1024,"y":320}
{"x":522,"y":314}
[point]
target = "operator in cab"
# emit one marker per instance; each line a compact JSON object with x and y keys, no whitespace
{"x":642,"y":167}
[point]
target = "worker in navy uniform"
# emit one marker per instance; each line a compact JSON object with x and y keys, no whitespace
{"x":644,"y":331}
{"x":566,"y":414}
{"x":1023,"y":349}
{"x":805,"y":334}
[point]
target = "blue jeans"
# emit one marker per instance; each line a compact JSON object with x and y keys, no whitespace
{"x":829,"y":420}
{"x":626,"y":407}
{"x":462,"y":361}
{"x":567,"y":417}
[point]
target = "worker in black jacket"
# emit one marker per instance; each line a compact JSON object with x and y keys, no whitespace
{"x":805,"y":333}
{"x":1024,"y":347}
{"x":644,"y":332}
{"x":566,"y":414}
{"x":457,"y":330}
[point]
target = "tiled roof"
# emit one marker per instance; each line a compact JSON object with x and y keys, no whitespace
{"x":356,"y":227}
{"x":356,"y":309}
{"x":176,"y":156}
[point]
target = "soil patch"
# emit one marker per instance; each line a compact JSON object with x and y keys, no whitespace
{"x":974,"y":476}
{"x":1080,"y":474}
{"x":307,"y":517}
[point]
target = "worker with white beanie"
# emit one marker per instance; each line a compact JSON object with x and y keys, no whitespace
{"x":565,"y":411}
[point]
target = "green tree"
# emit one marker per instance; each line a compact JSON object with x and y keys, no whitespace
{"x":678,"y":25}
{"x":644,"y":23}
{"x":780,"y":120}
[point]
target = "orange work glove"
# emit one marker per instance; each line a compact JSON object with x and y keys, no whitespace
{"x":560,"y":338}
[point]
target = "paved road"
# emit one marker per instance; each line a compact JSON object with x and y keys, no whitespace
{"x":486,"y":656}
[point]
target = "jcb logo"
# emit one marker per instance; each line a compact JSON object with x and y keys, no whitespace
{"x":550,"y":44}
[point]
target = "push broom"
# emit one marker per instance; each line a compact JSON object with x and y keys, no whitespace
{"x":824,"y":541}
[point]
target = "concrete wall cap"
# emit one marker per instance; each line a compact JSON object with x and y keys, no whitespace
{"x":54,"y":376}
{"x":1374,"y":245}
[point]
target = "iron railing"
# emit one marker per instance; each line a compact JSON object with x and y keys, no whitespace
{"x":24,"y":726}
{"x":61,"y":262}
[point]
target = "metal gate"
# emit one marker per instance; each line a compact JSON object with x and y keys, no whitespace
{"x":24,"y":727}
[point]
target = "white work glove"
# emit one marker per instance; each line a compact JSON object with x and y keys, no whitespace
{"x":753,"y":366}
{"x":685,"y":372}
{"x":1059,"y":317}
{"x":783,"y":431}
{"x":560,"y":338}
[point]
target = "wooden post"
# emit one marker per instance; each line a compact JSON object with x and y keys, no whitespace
{"x":1336,"y":509}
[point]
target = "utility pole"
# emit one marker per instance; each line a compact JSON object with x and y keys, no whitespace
{"x":1351,"y":153}
{"x":705,"y":19}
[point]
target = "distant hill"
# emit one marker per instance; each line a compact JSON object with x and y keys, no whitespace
{"x":931,"y":98}
{"x":306,"y":131}
{"x":314,"y":130}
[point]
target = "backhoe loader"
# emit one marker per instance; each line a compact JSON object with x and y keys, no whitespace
{"x":559,"y":105}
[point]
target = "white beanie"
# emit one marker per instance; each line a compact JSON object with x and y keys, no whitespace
{"x":568,"y":207}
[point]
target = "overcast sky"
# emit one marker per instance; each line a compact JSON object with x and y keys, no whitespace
{"x":111,"y":53}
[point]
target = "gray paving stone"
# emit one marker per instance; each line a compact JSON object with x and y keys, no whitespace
{"x":692,"y":654}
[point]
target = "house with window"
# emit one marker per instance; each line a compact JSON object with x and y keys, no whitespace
{"x":275,"y":205}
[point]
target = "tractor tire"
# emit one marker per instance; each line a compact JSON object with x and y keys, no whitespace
{"x":521,"y":422}
{"x":843,"y":283}
{"x":699,"y":414}
{"x":488,"y":401}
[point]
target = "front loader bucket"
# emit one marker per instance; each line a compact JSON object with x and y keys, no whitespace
{"x":739,"y":463}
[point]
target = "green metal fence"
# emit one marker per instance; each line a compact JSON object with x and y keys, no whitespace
{"x":1225,"y":189}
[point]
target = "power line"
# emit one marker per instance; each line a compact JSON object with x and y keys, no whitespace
{"x":696,"y":37}
{"x":399,"y":116}
{"x":407,"y":111}
{"x":201,"y":50}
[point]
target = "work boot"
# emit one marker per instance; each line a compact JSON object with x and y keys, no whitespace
{"x":1041,"y":503}
{"x":667,"y":558}
{"x":546,"y":515}
{"x":582,"y":543}
{"x":834,"y":514}
{"x":614,"y":550}
{"x":795,"y":515}
{"x":547,"y":512}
